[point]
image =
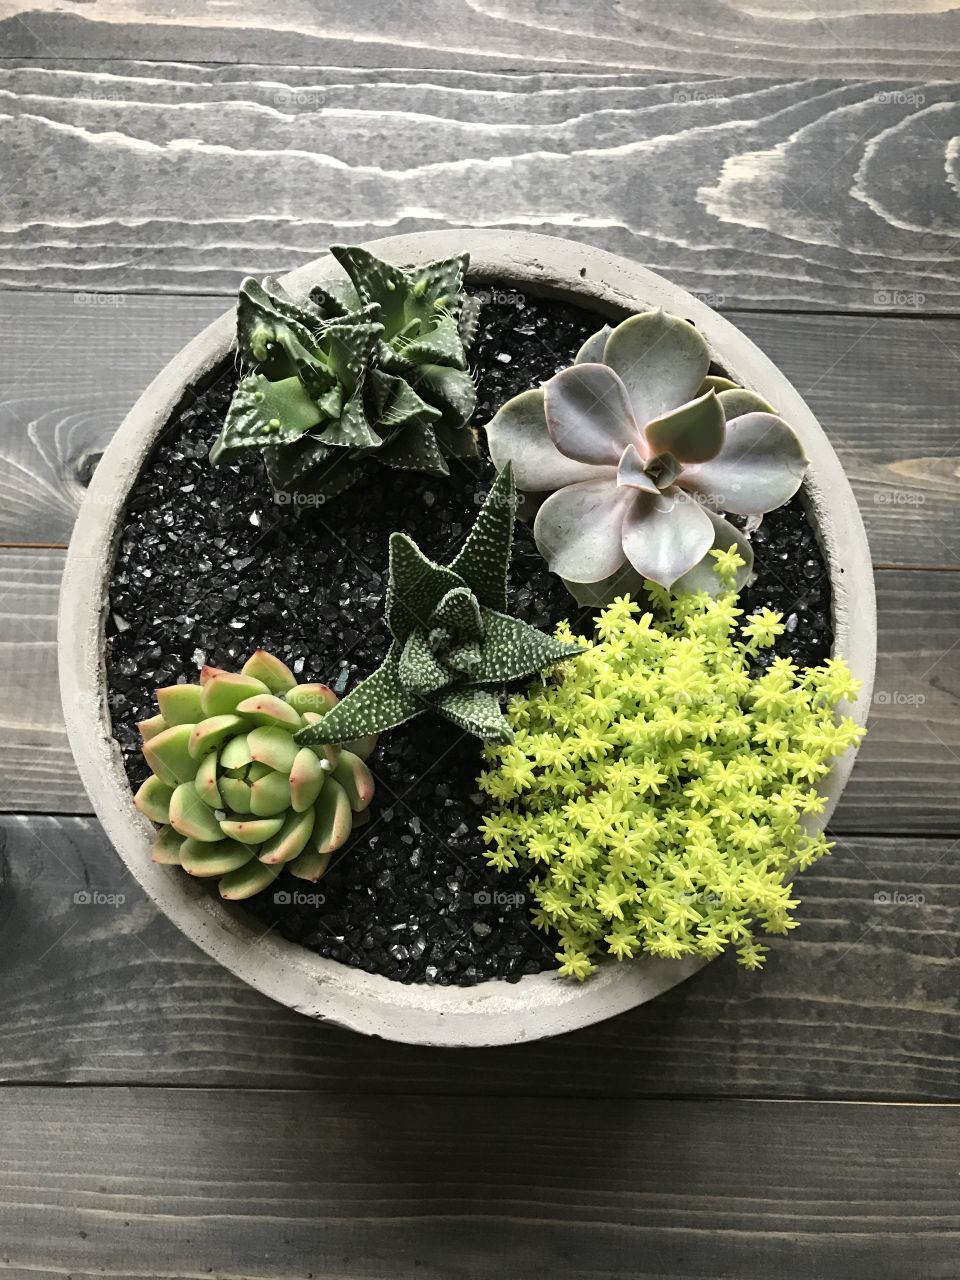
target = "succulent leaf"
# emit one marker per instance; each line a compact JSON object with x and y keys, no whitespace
{"x":661,"y":359}
{"x":199,"y":859}
{"x":306,"y":780}
{"x":166,"y":847}
{"x":311,"y":697}
{"x":760,"y":467}
{"x":168,"y":754}
{"x":269,"y":670}
{"x":191,"y":817}
{"x":692,"y":433}
{"x":476,"y":711}
{"x":416,"y":586}
{"x":265,"y":413}
{"x":224,"y":692}
{"x":736,"y":401}
{"x":579,"y":528}
{"x":665,"y":535}
{"x":151,"y":727}
{"x":270,"y":795}
{"x":180,"y":703}
{"x":290,"y":840}
{"x":333,"y":818}
{"x":513,"y":650}
{"x":210,"y":733}
{"x":206,"y":782}
{"x":248,"y":880}
{"x":153,"y":800}
{"x":268,"y":709}
{"x":378,"y":703}
{"x":589,"y":415}
{"x":592,"y":350}
{"x":703,"y":576}
{"x":484,"y":559}
{"x":517,"y":434}
{"x":311,"y":864}
{"x":355,"y":779}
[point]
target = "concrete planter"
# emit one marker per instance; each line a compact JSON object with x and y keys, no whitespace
{"x":494,"y":1012}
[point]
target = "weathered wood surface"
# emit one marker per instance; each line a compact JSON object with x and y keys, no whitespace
{"x":861,"y":1000}
{"x":884,"y":389}
{"x":811,"y":193}
{"x":185,"y":1183}
{"x":905,"y":780}
{"x":915,"y":38}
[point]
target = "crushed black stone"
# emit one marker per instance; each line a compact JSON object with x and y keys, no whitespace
{"x":208,"y":569}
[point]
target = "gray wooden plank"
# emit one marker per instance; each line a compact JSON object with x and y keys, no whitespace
{"x":901,"y":37}
{"x":184,"y":1183}
{"x":810,"y":193}
{"x":883,"y":388}
{"x":905,"y":779}
{"x":859,"y":1002}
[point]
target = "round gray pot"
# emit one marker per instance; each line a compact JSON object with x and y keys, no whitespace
{"x":493,"y":1012}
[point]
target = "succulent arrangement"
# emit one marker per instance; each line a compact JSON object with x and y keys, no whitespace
{"x":373,"y":371}
{"x":454,"y":647}
{"x":656,"y":790}
{"x":654,"y":778}
{"x":641,"y":450}
{"x":235,"y":796}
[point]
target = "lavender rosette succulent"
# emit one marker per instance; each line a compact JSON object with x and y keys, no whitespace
{"x":641,"y":451}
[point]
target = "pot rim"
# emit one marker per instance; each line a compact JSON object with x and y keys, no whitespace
{"x":493,"y":1012}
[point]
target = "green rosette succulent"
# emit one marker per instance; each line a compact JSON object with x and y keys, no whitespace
{"x":454,"y":647}
{"x":236,"y":797}
{"x":429,"y":324}
{"x":371,"y":371}
{"x":642,"y":451}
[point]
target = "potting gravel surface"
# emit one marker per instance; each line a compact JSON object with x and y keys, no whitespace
{"x":209,"y":569}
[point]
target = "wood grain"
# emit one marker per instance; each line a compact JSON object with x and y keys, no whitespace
{"x":916,"y":38}
{"x":810,"y":193}
{"x":185,"y":1183}
{"x":905,"y":779}
{"x":860,"y":1001}
{"x":882,"y":388}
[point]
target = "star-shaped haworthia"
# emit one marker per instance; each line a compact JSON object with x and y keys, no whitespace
{"x":454,"y":648}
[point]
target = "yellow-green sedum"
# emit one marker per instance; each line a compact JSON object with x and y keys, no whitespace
{"x":657,"y":790}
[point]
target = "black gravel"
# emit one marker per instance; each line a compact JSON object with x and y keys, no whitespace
{"x":208,"y":569}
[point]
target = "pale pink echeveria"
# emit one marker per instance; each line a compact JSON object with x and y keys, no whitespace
{"x":640,"y":449}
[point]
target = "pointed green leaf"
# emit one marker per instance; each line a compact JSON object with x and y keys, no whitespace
{"x":483,"y":560}
{"x":441,"y":282}
{"x":265,"y":413}
{"x":418,"y":669}
{"x":248,"y":880}
{"x":439,"y":345}
{"x":469,"y":321}
{"x":414,"y":448}
{"x":513,"y":649}
{"x":380,"y":702}
{"x":416,"y":586}
{"x":396,"y":403}
{"x":459,"y":611}
{"x":477,"y":711}
{"x":153,"y":800}
{"x":376,"y":281}
{"x":181,"y":703}
{"x":351,"y":430}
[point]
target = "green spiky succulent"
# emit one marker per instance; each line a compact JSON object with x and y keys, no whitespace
{"x":236,"y":797}
{"x":429,"y":324}
{"x":374,"y":370}
{"x":454,"y":647}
